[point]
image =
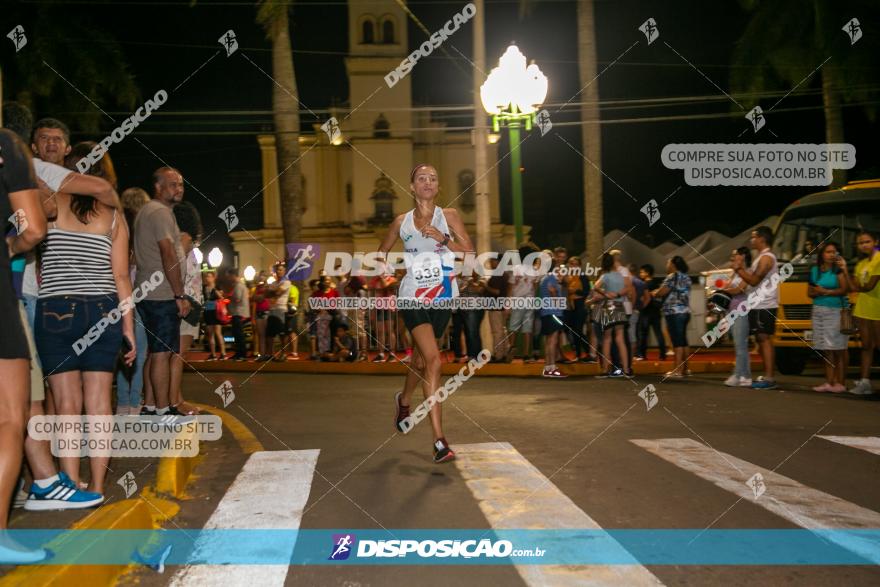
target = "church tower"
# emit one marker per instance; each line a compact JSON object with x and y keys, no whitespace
{"x":378,"y":126}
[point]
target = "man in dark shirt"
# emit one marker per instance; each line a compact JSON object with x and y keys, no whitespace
{"x":650,"y":318}
{"x":18,"y":195}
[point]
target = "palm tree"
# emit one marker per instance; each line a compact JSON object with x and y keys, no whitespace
{"x":591,"y":131}
{"x":786,"y":40}
{"x":591,"y":134}
{"x":272,"y":15}
{"x":56,"y":67}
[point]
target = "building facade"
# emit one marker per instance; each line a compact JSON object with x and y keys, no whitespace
{"x":354,"y":188}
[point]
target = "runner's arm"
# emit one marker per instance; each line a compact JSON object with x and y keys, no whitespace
{"x":119,"y":265}
{"x":461,"y":242}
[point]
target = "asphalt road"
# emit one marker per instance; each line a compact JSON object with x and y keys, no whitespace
{"x":578,"y":433}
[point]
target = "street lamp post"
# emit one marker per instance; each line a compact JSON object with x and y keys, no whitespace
{"x":512,"y":94}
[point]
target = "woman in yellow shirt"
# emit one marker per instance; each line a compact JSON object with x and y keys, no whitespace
{"x":867,"y":310}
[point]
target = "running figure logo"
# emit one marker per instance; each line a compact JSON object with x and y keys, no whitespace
{"x":301,"y":259}
{"x":342,"y":545}
{"x":854,"y":30}
{"x":650,"y":30}
{"x":652,"y":211}
{"x":18,"y":38}
{"x":19,"y":221}
{"x":756,"y":484}
{"x":331,"y":127}
{"x":230,"y":217}
{"x":128,"y":484}
{"x":542,"y":119}
{"x":226,"y":393}
{"x":229,"y":42}
{"x":756,"y":117}
{"x":649,"y":395}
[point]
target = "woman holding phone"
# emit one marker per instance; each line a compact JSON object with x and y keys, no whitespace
{"x":827,"y":288}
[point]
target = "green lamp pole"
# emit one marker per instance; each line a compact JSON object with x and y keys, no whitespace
{"x":511,"y":94}
{"x":514,"y":120}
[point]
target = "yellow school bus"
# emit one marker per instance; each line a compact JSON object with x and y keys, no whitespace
{"x":834,"y":215}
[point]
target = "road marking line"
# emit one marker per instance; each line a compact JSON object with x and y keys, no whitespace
{"x":269,"y":493}
{"x":866,"y":443}
{"x":799,"y":504}
{"x":513,"y":494}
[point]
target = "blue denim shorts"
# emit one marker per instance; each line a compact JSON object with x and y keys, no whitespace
{"x":69,"y":337}
{"x":162,"y":325}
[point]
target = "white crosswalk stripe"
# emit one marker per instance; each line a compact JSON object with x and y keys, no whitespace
{"x":785,"y":497}
{"x":513,"y":494}
{"x":269,"y":493}
{"x":866,"y":443}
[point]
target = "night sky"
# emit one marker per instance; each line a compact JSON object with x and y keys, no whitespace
{"x":196,"y":131}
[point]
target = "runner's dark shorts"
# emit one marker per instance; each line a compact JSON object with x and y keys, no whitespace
{"x":162,"y":325}
{"x":762,"y":321}
{"x":437,"y":318}
{"x":550,"y":324}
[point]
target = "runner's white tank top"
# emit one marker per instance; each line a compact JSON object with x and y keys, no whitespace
{"x":770,"y":301}
{"x":429,"y":265}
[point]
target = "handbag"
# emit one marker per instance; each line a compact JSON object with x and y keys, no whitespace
{"x":195,"y":312}
{"x":223,"y":316}
{"x":848,"y":323}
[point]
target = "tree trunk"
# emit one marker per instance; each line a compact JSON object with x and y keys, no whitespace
{"x":591,"y":132}
{"x":833,"y":116}
{"x":481,"y":134}
{"x":285,"y":106}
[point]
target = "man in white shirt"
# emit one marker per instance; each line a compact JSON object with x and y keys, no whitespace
{"x":763,"y":276}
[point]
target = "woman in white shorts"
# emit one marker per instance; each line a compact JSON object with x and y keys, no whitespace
{"x":827,"y":288}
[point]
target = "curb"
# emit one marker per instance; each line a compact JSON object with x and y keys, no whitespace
{"x":144,"y":513}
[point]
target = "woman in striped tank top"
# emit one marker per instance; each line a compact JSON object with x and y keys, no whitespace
{"x":84,"y":274}
{"x":431,"y":236}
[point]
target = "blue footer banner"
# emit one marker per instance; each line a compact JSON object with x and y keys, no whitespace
{"x":453,"y":547}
